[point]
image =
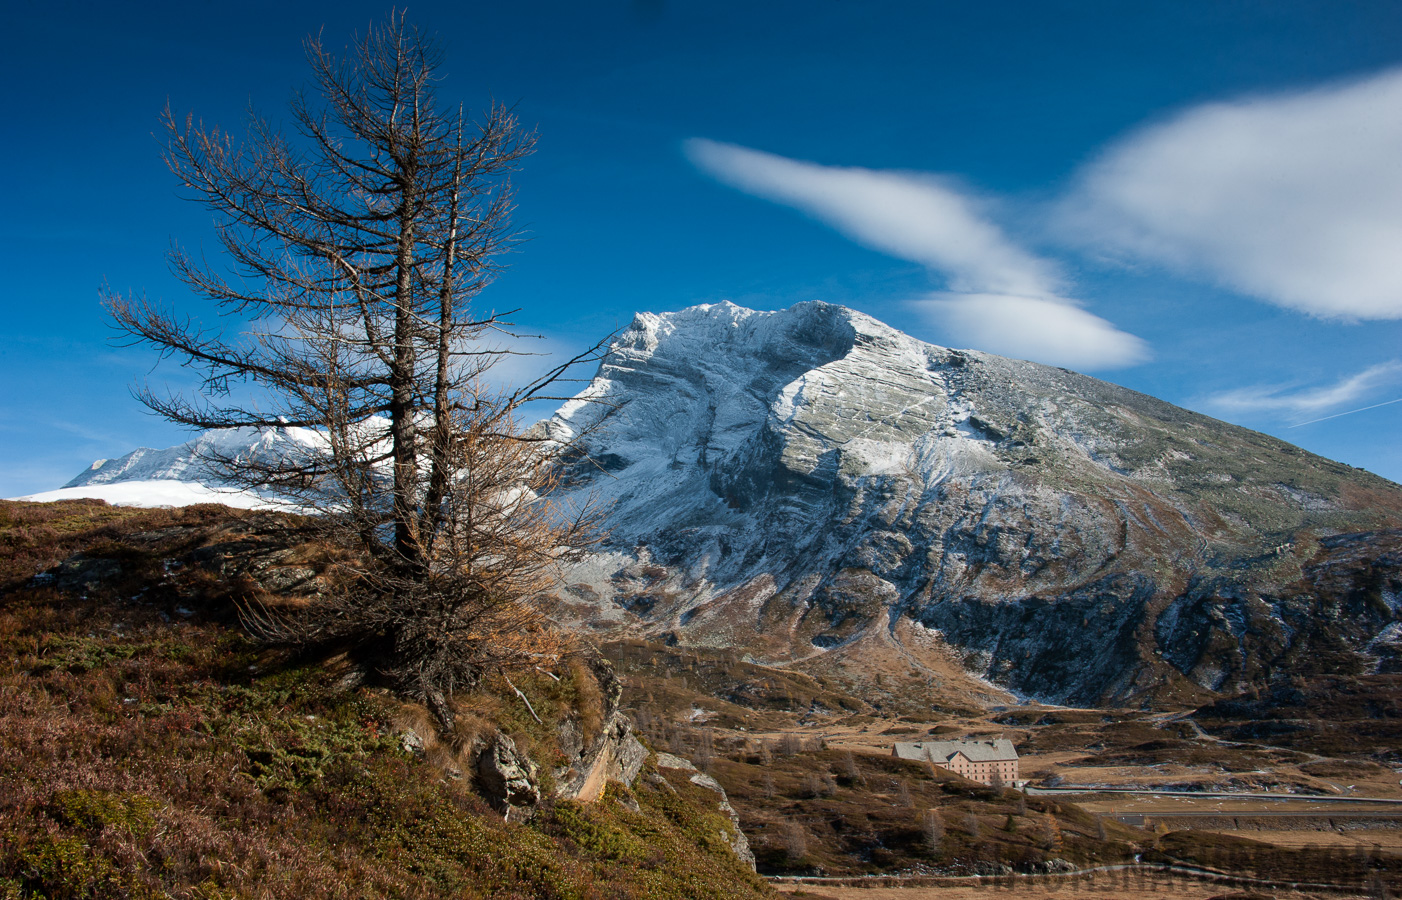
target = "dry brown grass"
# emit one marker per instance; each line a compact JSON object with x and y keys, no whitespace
{"x":147,"y":749}
{"x":589,"y":700}
{"x":37,"y":536}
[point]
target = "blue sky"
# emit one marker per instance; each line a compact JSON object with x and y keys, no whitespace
{"x":1199,"y":200}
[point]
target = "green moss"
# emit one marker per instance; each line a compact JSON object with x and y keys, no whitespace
{"x":79,"y":655}
{"x":96,"y":810}
{"x":292,"y":752}
{"x":597,"y":835}
{"x":66,"y":868}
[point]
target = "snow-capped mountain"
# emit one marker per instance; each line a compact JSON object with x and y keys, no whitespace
{"x":190,"y":461}
{"x":819,"y":490}
{"x":183,"y":475}
{"x":812,"y":485}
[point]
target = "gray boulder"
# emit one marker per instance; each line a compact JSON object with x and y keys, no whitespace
{"x":507,"y":778}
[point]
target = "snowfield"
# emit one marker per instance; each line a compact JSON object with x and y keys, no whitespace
{"x":155,"y":492}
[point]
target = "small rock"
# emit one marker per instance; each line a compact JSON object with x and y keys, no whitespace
{"x":658,"y":781}
{"x":1054,"y":865}
{"x":668,"y":761}
{"x":285,"y":578}
{"x":83,"y":572}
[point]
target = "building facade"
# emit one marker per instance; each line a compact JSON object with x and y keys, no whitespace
{"x":981,"y":761}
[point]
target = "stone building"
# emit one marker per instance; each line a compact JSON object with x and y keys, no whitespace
{"x":975,"y":760}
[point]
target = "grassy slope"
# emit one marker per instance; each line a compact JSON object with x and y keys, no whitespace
{"x":148,"y":750}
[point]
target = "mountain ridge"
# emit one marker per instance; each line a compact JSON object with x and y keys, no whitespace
{"x":813,"y":480}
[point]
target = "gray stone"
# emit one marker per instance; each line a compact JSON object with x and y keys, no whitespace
{"x":668,"y":761}
{"x":285,"y":578}
{"x":630,"y":757}
{"x":412,"y":743}
{"x":507,"y":778}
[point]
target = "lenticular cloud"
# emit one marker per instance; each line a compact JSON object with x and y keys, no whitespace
{"x":1003,"y":298}
{"x":1047,"y":331}
{"x":911,"y":216}
{"x":1293,"y":198}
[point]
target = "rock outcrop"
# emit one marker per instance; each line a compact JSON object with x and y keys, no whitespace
{"x":507,"y":778}
{"x":614,"y":753}
{"x":596,"y":754}
{"x":734,"y":837}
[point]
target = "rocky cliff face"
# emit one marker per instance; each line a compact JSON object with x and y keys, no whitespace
{"x":825,"y":491}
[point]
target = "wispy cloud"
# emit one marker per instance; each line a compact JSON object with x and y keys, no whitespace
{"x":1001,"y":298}
{"x":1296,"y":402}
{"x":1347,"y":412}
{"x":911,"y":216}
{"x":1029,"y":328}
{"x":1293,"y":198}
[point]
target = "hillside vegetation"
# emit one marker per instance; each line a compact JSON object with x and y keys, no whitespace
{"x":149,"y":749}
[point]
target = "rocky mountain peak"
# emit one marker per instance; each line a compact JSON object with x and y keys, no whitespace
{"x":823,"y":490}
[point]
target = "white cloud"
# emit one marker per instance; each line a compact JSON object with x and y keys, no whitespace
{"x":1292,"y":198}
{"x":1047,"y":331}
{"x":910,"y":216}
{"x":1004,"y":299}
{"x":1307,"y":401}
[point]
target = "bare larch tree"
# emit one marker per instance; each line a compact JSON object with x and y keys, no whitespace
{"x":358,"y":244}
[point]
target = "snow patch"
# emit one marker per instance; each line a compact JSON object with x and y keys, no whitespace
{"x":866,"y":457}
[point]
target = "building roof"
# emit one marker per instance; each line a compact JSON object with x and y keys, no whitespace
{"x":943,"y":751}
